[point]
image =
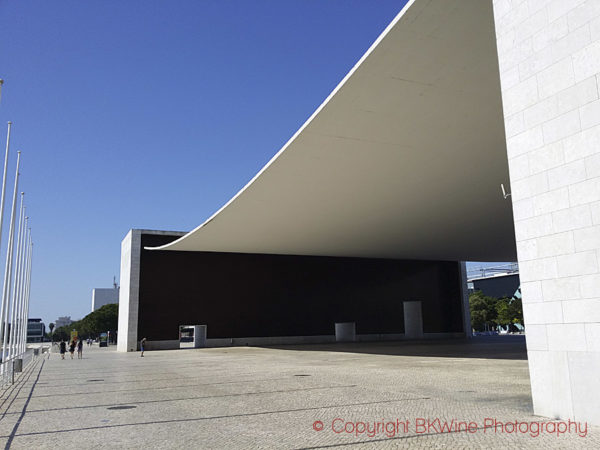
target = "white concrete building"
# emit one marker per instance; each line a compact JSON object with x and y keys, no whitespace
{"x":453,"y":100}
{"x":104,"y":296}
{"x":549,"y":59}
{"x":62,"y":321}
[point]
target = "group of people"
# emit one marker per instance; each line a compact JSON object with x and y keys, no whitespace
{"x":72,"y":345}
{"x":78,"y":344}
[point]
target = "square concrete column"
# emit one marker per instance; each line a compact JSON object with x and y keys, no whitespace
{"x":199,"y":336}
{"x":549,"y":65}
{"x":129,"y":292}
{"x":464,"y":293}
{"x":345,"y":332}
{"x":413,"y":320}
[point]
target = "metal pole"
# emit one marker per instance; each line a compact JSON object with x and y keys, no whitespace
{"x":23,"y":327}
{"x":14,"y":304}
{"x":19,"y":283}
{"x":1,"y":83}
{"x":4,"y":178}
{"x":24,"y":321}
{"x":2,"y":197}
{"x":24,"y":250}
{"x":26,"y":316}
{"x":9,"y":257}
{"x":22,"y":285}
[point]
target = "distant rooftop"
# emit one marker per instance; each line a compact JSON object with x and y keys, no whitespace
{"x":478,"y":273}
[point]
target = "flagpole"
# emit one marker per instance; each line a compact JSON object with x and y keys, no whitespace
{"x":22,"y":288}
{"x":8,"y":267}
{"x":4,"y":179}
{"x":15,"y":297}
{"x":23,"y":324}
{"x":28,"y":290}
{"x":2,"y":198}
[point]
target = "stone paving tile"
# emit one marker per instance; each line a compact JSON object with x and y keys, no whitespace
{"x":246,"y":397}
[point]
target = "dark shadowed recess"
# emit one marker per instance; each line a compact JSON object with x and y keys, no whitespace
{"x":256,"y":295}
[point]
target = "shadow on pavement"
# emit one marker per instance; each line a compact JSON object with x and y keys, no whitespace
{"x":486,"y":347}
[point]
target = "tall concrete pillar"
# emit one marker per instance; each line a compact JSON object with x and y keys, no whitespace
{"x":129,"y":292}
{"x":549,"y":61}
{"x":464,"y":293}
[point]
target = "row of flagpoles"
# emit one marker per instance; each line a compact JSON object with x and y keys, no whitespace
{"x":14,"y":310}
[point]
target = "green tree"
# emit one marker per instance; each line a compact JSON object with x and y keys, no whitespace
{"x":62,"y":333}
{"x":483,"y":311}
{"x":102,"y":320}
{"x":510,"y":311}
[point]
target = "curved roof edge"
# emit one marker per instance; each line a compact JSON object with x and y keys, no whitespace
{"x":404,"y":159}
{"x":297,"y":133}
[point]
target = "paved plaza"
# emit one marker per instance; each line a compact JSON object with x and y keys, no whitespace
{"x":364,"y":395}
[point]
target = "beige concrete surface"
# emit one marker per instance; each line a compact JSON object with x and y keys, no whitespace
{"x":247,"y":397}
{"x":387,"y":154}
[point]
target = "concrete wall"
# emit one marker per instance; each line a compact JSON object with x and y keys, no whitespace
{"x":466,"y":307}
{"x":129,"y":292}
{"x":104,"y":296}
{"x":245,"y":298}
{"x":498,"y":286}
{"x":241,"y":295}
{"x":549,"y":59}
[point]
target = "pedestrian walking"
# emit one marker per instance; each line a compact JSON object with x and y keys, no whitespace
{"x":63,"y":348}
{"x":80,"y":350}
{"x":72,"y":348}
{"x":142,"y":345}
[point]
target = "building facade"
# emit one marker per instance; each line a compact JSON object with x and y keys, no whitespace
{"x":549,"y":60}
{"x":104,"y":296}
{"x":36,"y":330}
{"x":258,"y":298}
{"x":509,"y":88}
{"x":62,"y":322}
{"x":497,"y":285}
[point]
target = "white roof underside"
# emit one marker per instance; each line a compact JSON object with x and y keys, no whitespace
{"x":403,"y":160}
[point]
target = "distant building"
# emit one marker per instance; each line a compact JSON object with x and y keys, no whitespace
{"x":497,"y":285}
{"x":62,"y":322}
{"x":104,"y":296}
{"x":36,"y":330}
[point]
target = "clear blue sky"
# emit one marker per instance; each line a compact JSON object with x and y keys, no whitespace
{"x":152,"y":114}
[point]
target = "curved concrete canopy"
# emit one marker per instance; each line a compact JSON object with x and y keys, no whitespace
{"x":404,"y":159}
